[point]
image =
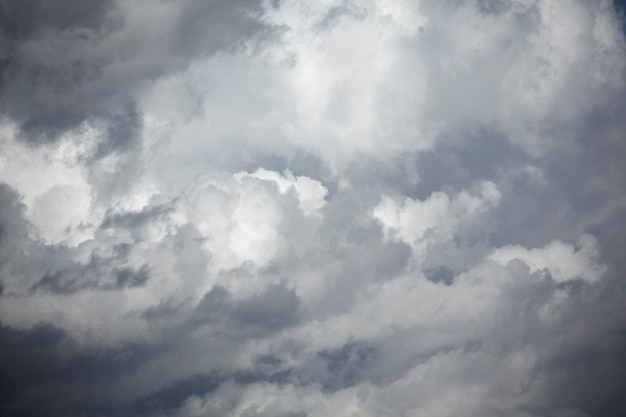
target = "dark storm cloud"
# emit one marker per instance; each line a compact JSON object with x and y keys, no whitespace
{"x":12,"y":226}
{"x":41,"y":366}
{"x":346,"y":365}
{"x":486,"y":155}
{"x":23,"y":20}
{"x":260,"y":314}
{"x":68,"y":62}
{"x":27,"y":356}
{"x":174,"y":395}
{"x":584,"y":197}
{"x":51,"y":88}
{"x":440,"y":274}
{"x":590,"y":377}
{"x":584,"y":372}
{"x":580,"y":371}
{"x":579,"y":189}
{"x":93,"y":276}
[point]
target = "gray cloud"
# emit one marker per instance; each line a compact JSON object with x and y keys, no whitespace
{"x":72,"y":63}
{"x":292,"y":209}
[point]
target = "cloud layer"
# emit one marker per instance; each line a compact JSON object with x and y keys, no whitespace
{"x":336,"y":208}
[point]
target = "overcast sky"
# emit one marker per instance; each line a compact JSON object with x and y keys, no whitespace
{"x":312,"y":208}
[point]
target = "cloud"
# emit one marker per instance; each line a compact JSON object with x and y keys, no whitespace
{"x":310,"y":193}
{"x":70,"y":64}
{"x":261,"y":208}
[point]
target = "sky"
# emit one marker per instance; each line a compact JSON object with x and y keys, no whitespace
{"x":289,"y":208}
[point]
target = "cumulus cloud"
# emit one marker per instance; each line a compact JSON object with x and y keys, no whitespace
{"x":261,"y":208}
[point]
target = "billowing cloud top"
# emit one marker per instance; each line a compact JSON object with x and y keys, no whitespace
{"x":312,"y":208}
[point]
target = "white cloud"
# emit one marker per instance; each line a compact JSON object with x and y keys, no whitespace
{"x":564,"y":261}
{"x":435,"y":218}
{"x":53,"y":185}
{"x":310,"y":193}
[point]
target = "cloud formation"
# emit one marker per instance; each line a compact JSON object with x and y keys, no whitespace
{"x":336,"y":208}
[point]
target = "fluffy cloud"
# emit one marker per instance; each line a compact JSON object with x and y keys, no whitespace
{"x":256,"y":208}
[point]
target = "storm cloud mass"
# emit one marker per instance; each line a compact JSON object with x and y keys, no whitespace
{"x":312,"y":208}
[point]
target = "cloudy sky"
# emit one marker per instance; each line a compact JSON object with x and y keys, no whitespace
{"x":266,"y":208}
